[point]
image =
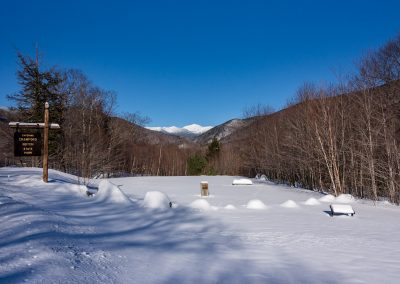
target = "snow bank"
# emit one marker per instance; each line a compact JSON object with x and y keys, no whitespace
{"x":242,"y":181}
{"x":345,"y":198}
{"x":342,"y":198}
{"x":256,"y":204}
{"x":156,"y":200}
{"x":111,"y":193}
{"x":230,"y":207}
{"x":201,"y":204}
{"x":312,"y":201}
{"x":327,"y":198}
{"x":289,"y":204}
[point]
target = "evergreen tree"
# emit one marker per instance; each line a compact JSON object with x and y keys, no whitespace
{"x":213,"y":149}
{"x":38,"y":87}
{"x":196,"y":164}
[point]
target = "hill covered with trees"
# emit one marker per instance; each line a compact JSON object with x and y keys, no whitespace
{"x":341,"y":138}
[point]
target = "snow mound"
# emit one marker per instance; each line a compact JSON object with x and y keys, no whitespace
{"x":327,"y":198}
{"x":156,"y":200}
{"x":289,"y":204}
{"x":201,"y":204}
{"x":312,"y":201}
{"x":345,"y":198}
{"x":111,"y":193}
{"x":230,"y":207}
{"x":256,"y":204}
{"x":242,"y":181}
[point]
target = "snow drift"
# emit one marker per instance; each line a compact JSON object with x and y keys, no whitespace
{"x":312,"y":201}
{"x":345,"y":198}
{"x":242,"y":181}
{"x":327,"y":198}
{"x":230,"y":207}
{"x":289,"y":204}
{"x":201,"y":204}
{"x":108,"y":192}
{"x":256,"y":204}
{"x":156,"y":200}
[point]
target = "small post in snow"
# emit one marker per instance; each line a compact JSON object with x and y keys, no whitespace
{"x":204,"y":188}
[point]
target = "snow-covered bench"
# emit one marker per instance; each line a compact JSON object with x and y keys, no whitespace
{"x":342,"y":209}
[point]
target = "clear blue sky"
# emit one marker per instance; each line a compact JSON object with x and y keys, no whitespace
{"x":183,"y":62}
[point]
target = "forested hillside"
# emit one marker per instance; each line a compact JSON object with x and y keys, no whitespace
{"x":341,"y":138}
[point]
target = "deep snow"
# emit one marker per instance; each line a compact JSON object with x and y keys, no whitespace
{"x":55,"y":233}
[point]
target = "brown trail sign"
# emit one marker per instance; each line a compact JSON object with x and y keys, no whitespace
{"x":29,"y":143}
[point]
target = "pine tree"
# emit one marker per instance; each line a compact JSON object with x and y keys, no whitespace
{"x":38,"y":87}
{"x":196,"y":164}
{"x":213,"y":149}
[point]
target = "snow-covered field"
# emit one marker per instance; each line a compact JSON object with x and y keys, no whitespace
{"x":260,"y":233}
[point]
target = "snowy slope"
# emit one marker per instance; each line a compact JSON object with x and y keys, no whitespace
{"x":223,"y":131}
{"x":260,"y":233}
{"x":188,"y":131}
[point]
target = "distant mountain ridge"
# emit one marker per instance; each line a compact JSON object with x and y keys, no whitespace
{"x":188,"y":131}
{"x":224,"y":131}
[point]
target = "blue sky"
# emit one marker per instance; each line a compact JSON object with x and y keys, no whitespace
{"x":183,"y":62}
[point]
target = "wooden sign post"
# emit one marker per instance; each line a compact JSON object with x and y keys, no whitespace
{"x":26,"y":144}
{"x":46,"y":143}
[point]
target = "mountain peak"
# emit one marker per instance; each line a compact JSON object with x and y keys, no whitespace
{"x":191,"y":130}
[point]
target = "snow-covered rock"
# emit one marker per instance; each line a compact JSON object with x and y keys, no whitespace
{"x":156,"y":200}
{"x":230,"y":207}
{"x":256,"y":204}
{"x":108,"y":192}
{"x":242,"y":181}
{"x":312,"y":201}
{"x":345,"y":198}
{"x":201,"y":204}
{"x":327,"y":198}
{"x":289,"y":204}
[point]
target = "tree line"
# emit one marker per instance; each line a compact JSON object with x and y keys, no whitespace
{"x":341,"y":138}
{"x":93,"y":139}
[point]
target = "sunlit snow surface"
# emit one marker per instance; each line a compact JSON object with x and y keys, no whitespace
{"x":55,"y":233}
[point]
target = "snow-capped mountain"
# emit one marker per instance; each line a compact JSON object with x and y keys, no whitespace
{"x":190,"y":131}
{"x":223,"y":131}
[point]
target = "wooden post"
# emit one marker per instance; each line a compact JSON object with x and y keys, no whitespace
{"x":46,"y":143}
{"x":204,"y":188}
